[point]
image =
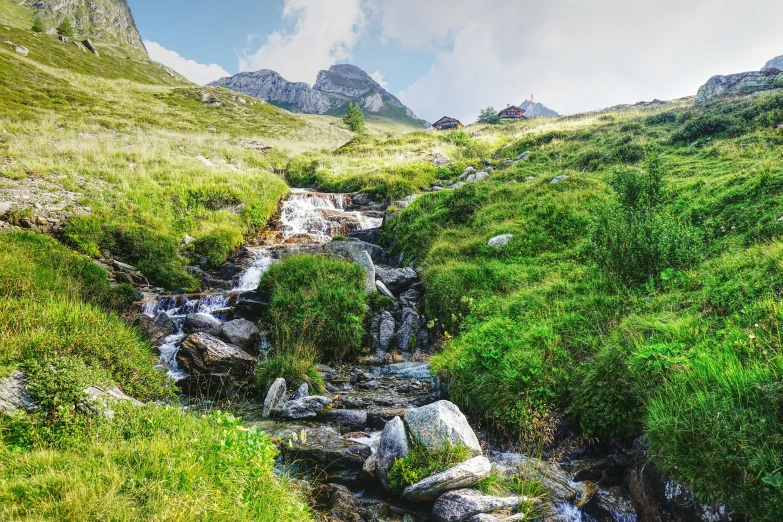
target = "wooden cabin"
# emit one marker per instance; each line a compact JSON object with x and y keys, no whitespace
{"x":447,"y":123}
{"x":511,"y":112}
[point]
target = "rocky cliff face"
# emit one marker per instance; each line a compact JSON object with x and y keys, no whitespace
{"x":777,"y":63}
{"x":740,"y":84}
{"x":331,"y":93}
{"x":538,"y":110}
{"x":100,"y":19}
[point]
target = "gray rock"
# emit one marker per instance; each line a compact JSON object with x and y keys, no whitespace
{"x":187,"y":240}
{"x":406,"y":370}
{"x":409,"y":326}
{"x":441,"y":423}
{"x":558,"y":179}
{"x":350,"y":249}
{"x":304,"y":408}
{"x":98,"y":401}
{"x":397,"y":280}
{"x":89,"y":45}
{"x":393,"y":446}
{"x":739,"y":84}
{"x":364,"y":260}
{"x":386,"y":330}
{"x":466,"y":173}
{"x":464,"y":475}
{"x":274,"y":397}
{"x":164,"y":324}
{"x":500,"y":241}
{"x":202,"y":354}
{"x":105,"y":20}
{"x":21,"y":50}
{"x":350,"y":420}
{"x":13,"y":394}
{"x":410,"y":298}
{"x":470,"y":179}
{"x":457,"y":185}
{"x":337,"y":503}
{"x":524,"y":155}
{"x":200,"y":322}
{"x":383,"y":290}
{"x":301,"y":392}
{"x":406,"y":201}
{"x":369,"y":468}
{"x":242,"y":333}
{"x":775,"y":63}
{"x":481,"y":176}
{"x":463,"y":504}
{"x":375,"y":326}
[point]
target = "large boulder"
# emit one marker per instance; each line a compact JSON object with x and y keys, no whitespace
{"x":360,"y":253}
{"x":13,"y":394}
{"x":336,"y":502}
{"x":393,"y":446}
{"x":409,"y":327}
{"x":463,"y":504}
{"x":397,"y":280}
{"x":304,"y":408}
{"x":386,"y":330}
{"x":464,"y":475}
{"x":740,"y":84}
{"x":775,"y":63}
{"x":441,"y":423}
{"x":242,"y":333}
{"x":99,"y":401}
{"x":201,"y":322}
{"x":202,"y":354}
{"x":274,"y":397}
{"x":349,"y":420}
{"x":500,"y":241}
{"x":302,"y":391}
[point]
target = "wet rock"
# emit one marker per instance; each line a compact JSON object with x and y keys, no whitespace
{"x":558,"y":179}
{"x":274,"y":397}
{"x":349,"y":249}
{"x":500,"y":241}
{"x":202,"y":354}
{"x":369,"y":235}
{"x":464,"y":475}
{"x":383,"y":290}
{"x":375,"y":338}
{"x":302,"y":391}
{"x":375,"y":509}
{"x":242,"y":333}
{"x":350,"y":420}
{"x":406,"y":370}
{"x":304,"y":408}
{"x":250,"y":306}
{"x":397,"y":280}
{"x":393,"y":446}
{"x":611,"y":504}
{"x":409,"y":326}
{"x":659,"y":499}
{"x":205,"y":323}
{"x":463,"y":504}
{"x":410,"y":298}
{"x":441,"y":423}
{"x":371,"y":385}
{"x":560,"y":485}
{"x":368,"y":469}
{"x":13,"y":394}
{"x":386,"y":331}
{"x":336,"y":502}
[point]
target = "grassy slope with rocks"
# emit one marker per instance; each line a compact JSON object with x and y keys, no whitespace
{"x":123,"y":134}
{"x":636,"y":306}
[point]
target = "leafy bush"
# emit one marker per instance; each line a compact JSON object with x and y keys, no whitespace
{"x":635,"y":240}
{"x":421,"y":463}
{"x":719,"y":429}
{"x":316,"y":300}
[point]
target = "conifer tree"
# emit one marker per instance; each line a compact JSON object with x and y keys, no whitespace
{"x":38,"y":25}
{"x":354,"y":117}
{"x":65,"y":28}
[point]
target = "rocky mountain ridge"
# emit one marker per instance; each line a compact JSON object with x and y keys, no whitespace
{"x":537,"y":110}
{"x":331,"y":93}
{"x":741,"y":84}
{"x":776,"y":63}
{"x":101,"y":19}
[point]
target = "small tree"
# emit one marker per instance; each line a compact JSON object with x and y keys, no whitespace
{"x":489,"y":115}
{"x":65,"y":28}
{"x":38,"y":25}
{"x":354,"y":117}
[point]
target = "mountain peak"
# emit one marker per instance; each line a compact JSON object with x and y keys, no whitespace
{"x":333,"y":90}
{"x":537,"y":110}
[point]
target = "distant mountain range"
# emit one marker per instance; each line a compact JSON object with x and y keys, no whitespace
{"x":538,"y":110}
{"x":332,"y":92}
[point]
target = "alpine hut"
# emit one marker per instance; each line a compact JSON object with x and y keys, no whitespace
{"x":511,"y":112}
{"x":447,"y":123}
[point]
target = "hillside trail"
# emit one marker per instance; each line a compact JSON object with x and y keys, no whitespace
{"x":365,"y":393}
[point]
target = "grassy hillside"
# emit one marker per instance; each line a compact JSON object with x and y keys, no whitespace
{"x":641,"y":295}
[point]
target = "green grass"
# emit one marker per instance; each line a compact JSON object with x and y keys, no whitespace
{"x":421,"y":463}
{"x":316,"y":301}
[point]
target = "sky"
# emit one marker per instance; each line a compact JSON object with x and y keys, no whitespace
{"x":455,"y":57}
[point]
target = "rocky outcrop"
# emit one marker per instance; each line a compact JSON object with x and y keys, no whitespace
{"x":332,"y":91}
{"x":102,"y":19}
{"x":275,"y":396}
{"x":204,"y":355}
{"x":739,"y":84}
{"x":537,"y":110}
{"x":201,"y":322}
{"x":393,"y":446}
{"x":463,"y":504}
{"x":242,"y":333}
{"x":464,"y":475}
{"x":441,"y":423}
{"x":397,"y":280}
{"x":304,"y":408}
{"x":776,"y":63}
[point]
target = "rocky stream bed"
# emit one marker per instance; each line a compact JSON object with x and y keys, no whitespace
{"x":347,"y":439}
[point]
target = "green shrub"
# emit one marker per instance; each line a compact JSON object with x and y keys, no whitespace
{"x":316,"y":300}
{"x":217,"y":245}
{"x":294,"y":362}
{"x":719,"y":429}
{"x":65,"y":28}
{"x":489,"y":116}
{"x":38,"y":25}
{"x":421,"y":463}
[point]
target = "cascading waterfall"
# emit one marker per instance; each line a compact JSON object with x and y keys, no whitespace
{"x":312,"y":218}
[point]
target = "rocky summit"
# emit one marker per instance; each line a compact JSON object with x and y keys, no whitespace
{"x":776,"y":63}
{"x":742,"y":84}
{"x":537,"y":110}
{"x":332,"y":92}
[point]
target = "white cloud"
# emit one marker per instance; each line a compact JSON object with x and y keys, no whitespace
{"x":573,"y":55}
{"x":323,"y":33}
{"x":380,"y":77}
{"x":190,"y":69}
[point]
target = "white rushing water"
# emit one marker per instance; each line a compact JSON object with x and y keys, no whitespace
{"x":312,"y":217}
